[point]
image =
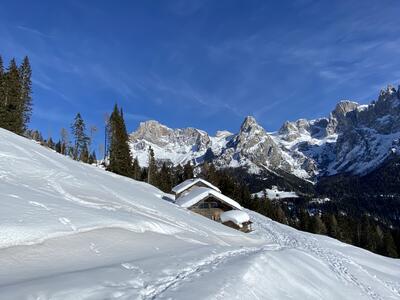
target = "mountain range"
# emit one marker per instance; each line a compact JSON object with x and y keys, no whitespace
{"x":354,"y":139}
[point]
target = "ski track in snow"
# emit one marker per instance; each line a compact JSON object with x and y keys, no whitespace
{"x":336,"y":261}
{"x":207,"y":265}
{"x":41,"y":205}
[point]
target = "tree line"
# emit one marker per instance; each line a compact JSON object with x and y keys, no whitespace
{"x":364,"y":231}
{"x":15,"y":96}
{"x":78,"y":147}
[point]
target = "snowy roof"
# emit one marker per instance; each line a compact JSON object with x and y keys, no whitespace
{"x":200,"y":193}
{"x":236,"y":216}
{"x":190,"y":182}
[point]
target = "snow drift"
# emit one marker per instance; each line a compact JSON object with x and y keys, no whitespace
{"x":73,"y":231}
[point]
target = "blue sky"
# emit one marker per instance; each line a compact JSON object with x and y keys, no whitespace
{"x":201,"y":63}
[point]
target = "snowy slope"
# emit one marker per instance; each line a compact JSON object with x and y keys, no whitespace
{"x":73,"y":231}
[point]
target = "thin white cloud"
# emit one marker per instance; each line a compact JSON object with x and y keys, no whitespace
{"x":34,"y":31}
{"x":49,"y":88}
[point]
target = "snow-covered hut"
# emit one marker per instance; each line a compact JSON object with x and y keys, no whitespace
{"x":216,"y":206}
{"x":192,"y":184}
{"x":237,"y":219}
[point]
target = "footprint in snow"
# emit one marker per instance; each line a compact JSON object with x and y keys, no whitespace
{"x":37,"y":204}
{"x":67,"y":222}
{"x":130,"y":266}
{"x":94,"y":248}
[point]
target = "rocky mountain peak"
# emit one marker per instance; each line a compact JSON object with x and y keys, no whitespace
{"x":390,"y":90}
{"x":344,"y":107}
{"x":248,"y":124}
{"x":287,"y":128}
{"x":151,"y":130}
{"x":388,"y":98}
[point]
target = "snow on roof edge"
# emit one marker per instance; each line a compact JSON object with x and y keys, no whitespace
{"x":190,"y":182}
{"x":200,"y":193}
{"x":236,"y":216}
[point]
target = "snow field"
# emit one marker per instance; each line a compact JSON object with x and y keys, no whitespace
{"x":73,"y":231}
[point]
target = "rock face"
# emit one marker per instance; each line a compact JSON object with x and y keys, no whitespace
{"x":353,"y":138}
{"x":251,"y":147}
{"x":158,"y":134}
{"x":253,"y":144}
{"x":174,"y":145}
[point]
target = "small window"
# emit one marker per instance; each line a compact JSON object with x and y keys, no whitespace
{"x":203,"y":205}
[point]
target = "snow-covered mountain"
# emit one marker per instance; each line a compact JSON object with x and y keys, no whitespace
{"x":251,"y":147}
{"x":175,"y":145}
{"x":352,"y":139}
{"x":73,"y":231}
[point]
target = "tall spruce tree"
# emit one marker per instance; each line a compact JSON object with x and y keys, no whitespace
{"x":15,"y":96}
{"x":50,"y":143}
{"x":165,"y":179}
{"x":84,"y":154}
{"x":25,"y":72}
{"x":188,"y":171}
{"x":78,"y":129}
{"x":178,"y":175}
{"x":152,"y":168}
{"x":2,"y":93}
{"x":389,"y":245}
{"x":120,"y":159}
{"x":137,"y":171}
{"x":11,"y":114}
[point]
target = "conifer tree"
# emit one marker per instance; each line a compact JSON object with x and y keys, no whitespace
{"x":143,"y":175}
{"x":11,"y":115}
{"x":333,"y":227}
{"x":2,"y":93}
{"x":37,"y":136}
{"x":389,"y":244}
{"x":152,"y":168}
{"x":317,"y":226}
{"x":304,"y":219}
{"x":81,"y":139}
{"x":120,"y":159}
{"x":188,"y":171}
{"x":165,"y":183}
{"x":211,"y":173}
{"x":84,"y":154}
{"x":25,"y":72}
{"x":178,"y":175}
{"x":58,"y":147}
{"x":136,"y":170}
{"x":279,"y":214}
{"x":50,"y":143}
